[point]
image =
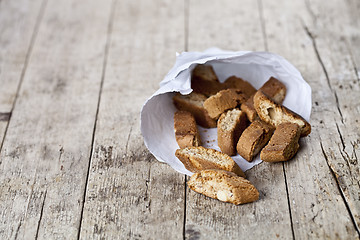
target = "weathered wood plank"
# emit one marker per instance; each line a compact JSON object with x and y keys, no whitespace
{"x":351,"y":9}
{"x":335,"y":46}
{"x":4,"y":119}
{"x":18,"y":24}
{"x":46,"y":152}
{"x":130,"y":195}
{"x":236,"y":26}
{"x":317,"y":206}
{"x":229,"y":25}
{"x":44,"y":162}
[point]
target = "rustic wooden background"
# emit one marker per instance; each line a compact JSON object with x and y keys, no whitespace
{"x":75,"y":73}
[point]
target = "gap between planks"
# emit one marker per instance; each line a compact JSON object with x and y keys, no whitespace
{"x":333,"y":173}
{"x":41,"y":214}
{"x":263,"y":28}
{"x":23,"y":71}
{"x":262,"y":22}
{"x":323,"y":68}
{"x":186,"y":48}
{"x":106,"y":54}
{"x":288,"y":201}
{"x":186,"y":22}
{"x":264,"y":35}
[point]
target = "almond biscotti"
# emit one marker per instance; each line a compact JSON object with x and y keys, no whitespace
{"x":275,"y":114}
{"x":196,"y":159}
{"x":204,"y":72}
{"x":229,"y":128}
{"x":240,"y":84}
{"x":248,"y":108}
{"x":283,"y":145}
{"x":275,"y":89}
{"x":186,"y":132}
{"x":224,"y":186}
{"x":253,"y":139}
{"x":194,"y":103}
{"x":222,"y":101}
{"x":204,"y":80}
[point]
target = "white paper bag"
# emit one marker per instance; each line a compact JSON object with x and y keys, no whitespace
{"x":157,"y":123}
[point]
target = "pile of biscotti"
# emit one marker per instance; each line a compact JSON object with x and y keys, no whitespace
{"x":248,"y":121}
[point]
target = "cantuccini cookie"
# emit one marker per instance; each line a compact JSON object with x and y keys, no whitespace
{"x":248,"y":108}
{"x":253,"y":139}
{"x":275,"y":89}
{"x":186,"y":132}
{"x":240,"y":84}
{"x":224,"y":186}
{"x":196,"y":159}
{"x":222,"y":101}
{"x":275,"y":114}
{"x":194,"y":103}
{"x":229,"y":128}
{"x":283,"y":145}
{"x":204,"y":80}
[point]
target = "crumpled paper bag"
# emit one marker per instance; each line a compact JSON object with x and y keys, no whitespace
{"x":157,"y":124}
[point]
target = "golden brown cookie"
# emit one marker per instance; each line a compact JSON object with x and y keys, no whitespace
{"x":253,"y":139}
{"x":275,"y":114}
{"x":204,"y":80}
{"x":224,"y":186}
{"x":230,"y":126}
{"x":194,"y":103}
{"x":222,"y":101}
{"x":240,"y":84}
{"x":186,"y":132}
{"x":283,"y":145}
{"x":196,"y":159}
{"x":275,"y":89}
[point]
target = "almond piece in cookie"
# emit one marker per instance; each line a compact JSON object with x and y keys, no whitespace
{"x":275,"y":114}
{"x":253,"y":139}
{"x":222,"y":101}
{"x":283,"y":145}
{"x":196,"y":159}
{"x":194,"y":103}
{"x":275,"y":89}
{"x":186,"y":132}
{"x":204,"y":80}
{"x":240,"y":84}
{"x":224,"y":186}
{"x":229,"y":127}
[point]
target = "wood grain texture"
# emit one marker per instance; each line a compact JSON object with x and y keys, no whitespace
{"x":236,"y":26}
{"x":229,"y":25}
{"x":335,"y":47}
{"x":74,"y":75}
{"x":317,"y":204}
{"x":46,"y":151}
{"x":18,"y":24}
{"x":130,"y":195}
{"x":352,"y":10}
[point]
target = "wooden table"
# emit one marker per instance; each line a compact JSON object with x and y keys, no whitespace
{"x":74,"y":75}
